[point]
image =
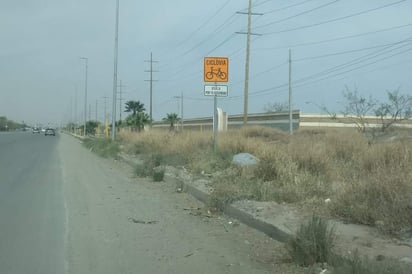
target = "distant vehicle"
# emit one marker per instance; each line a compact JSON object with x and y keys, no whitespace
{"x":35,"y":130}
{"x":49,"y":131}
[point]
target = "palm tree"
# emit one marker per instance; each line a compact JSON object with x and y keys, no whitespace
{"x":172,"y":118}
{"x":134,"y":107}
{"x":138,"y":119}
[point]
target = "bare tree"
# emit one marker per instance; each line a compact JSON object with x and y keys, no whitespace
{"x":397,"y":109}
{"x":358,"y":107}
{"x":276,"y":107}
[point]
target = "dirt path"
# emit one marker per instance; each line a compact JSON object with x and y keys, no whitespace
{"x":120,"y":224}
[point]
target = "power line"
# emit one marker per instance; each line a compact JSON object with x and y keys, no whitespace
{"x":340,"y":53}
{"x":357,"y":68}
{"x":222,"y":43}
{"x":254,"y":76}
{"x":304,"y":81}
{"x":288,"y":7}
{"x":183,"y":67}
{"x":256,"y":5}
{"x":298,"y":14}
{"x":301,"y":82}
{"x":355,"y":61}
{"x":336,"y":19}
{"x":261,"y":3}
{"x":218,"y":29}
{"x":207,"y":21}
{"x":213,"y":33}
{"x":338,"y":38}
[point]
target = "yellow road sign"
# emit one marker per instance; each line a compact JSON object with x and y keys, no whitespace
{"x":216,"y":69}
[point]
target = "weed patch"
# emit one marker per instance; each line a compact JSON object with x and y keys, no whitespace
{"x":313,"y":243}
{"x":158,"y":174}
{"x":355,"y":264}
{"x":367,"y":181}
{"x":104,"y":147}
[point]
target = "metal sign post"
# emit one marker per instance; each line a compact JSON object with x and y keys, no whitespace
{"x":215,"y":123}
{"x":215,"y":69}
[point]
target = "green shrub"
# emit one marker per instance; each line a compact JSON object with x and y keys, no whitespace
{"x":104,"y":147}
{"x":141,"y":170}
{"x":313,"y":243}
{"x":151,"y":167}
{"x":230,"y":186}
{"x":158,"y":174}
{"x":209,"y":162}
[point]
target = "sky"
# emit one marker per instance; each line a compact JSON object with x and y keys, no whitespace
{"x":335,"y":44}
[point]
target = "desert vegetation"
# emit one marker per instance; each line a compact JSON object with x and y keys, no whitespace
{"x":313,"y":247}
{"x":355,"y":176}
{"x":366,"y":180}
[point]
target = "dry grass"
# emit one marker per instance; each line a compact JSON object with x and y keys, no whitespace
{"x":368,"y":181}
{"x":313,"y":243}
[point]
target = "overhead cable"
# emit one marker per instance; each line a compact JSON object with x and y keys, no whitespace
{"x":335,"y":19}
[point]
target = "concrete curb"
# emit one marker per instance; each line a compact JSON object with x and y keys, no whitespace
{"x":244,"y":217}
{"x":75,"y":135}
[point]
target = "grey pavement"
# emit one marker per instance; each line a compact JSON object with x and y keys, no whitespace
{"x":32,"y":214}
{"x":65,"y":210}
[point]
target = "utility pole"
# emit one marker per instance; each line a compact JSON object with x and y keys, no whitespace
{"x":116,"y":48}
{"x":121,"y":99}
{"x":71,"y":109}
{"x":75,"y":105}
{"x":151,"y":61}
{"x":248,"y":34}
{"x":90,"y":112}
{"x":96,"y":110}
{"x":105,"y":108}
{"x":290,"y":94}
{"x":180,"y":108}
{"x":85,"y":94}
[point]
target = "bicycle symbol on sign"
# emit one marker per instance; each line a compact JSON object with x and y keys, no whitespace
{"x":216,"y":72}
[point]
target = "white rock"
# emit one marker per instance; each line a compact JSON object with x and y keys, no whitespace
{"x":245,"y":159}
{"x":406,"y":260}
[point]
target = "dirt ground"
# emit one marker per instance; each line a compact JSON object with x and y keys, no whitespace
{"x":118,"y":223}
{"x":365,"y":240}
{"x":368,"y":241}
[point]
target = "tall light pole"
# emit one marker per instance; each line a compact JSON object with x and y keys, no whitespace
{"x":75,"y":106}
{"x":290,"y":94}
{"x":116,"y":42}
{"x":85,"y":93}
{"x":181,"y":108}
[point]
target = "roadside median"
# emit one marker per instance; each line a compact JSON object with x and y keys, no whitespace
{"x":199,"y":190}
{"x":281,"y":221}
{"x":284,"y":191}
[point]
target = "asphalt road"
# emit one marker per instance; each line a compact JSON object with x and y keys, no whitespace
{"x":65,"y":210}
{"x":32,"y":214}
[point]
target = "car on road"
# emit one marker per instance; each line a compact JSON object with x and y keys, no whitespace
{"x":49,"y":131}
{"x":35,"y":130}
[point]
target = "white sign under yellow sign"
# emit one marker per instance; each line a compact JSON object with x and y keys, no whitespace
{"x":216,"y":90}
